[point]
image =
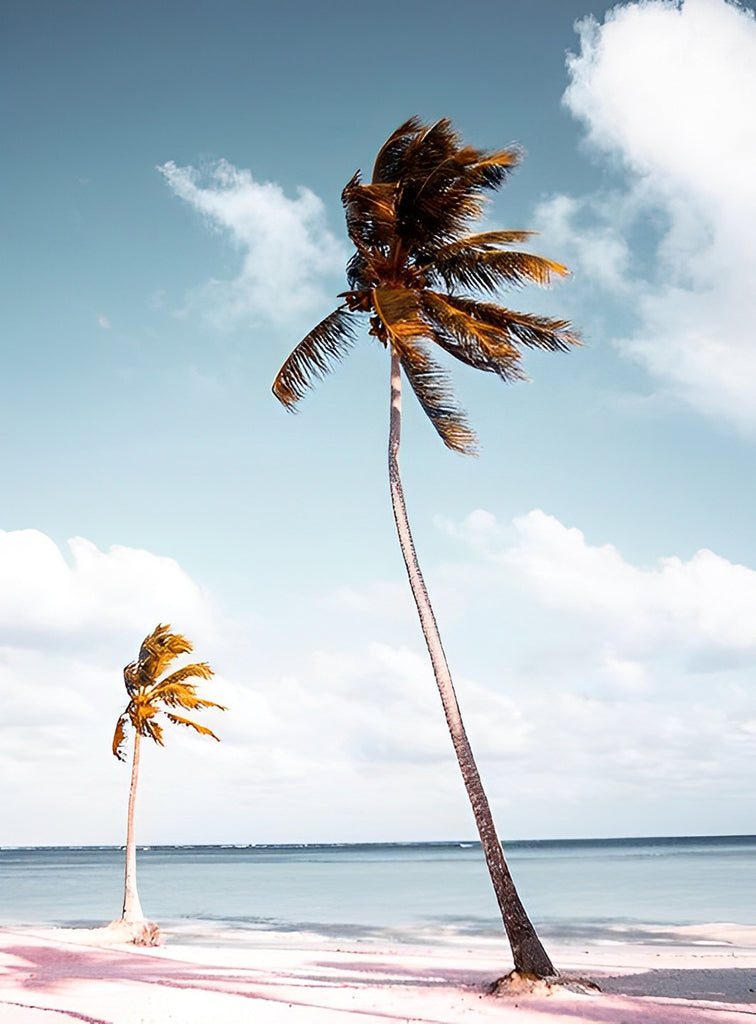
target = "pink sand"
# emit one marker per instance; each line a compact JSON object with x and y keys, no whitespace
{"x":62,"y":975}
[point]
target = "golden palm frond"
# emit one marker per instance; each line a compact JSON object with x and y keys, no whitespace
{"x":526,"y":329}
{"x":159,"y":649}
{"x":441,"y":184}
{"x":490,"y":170}
{"x":388,"y":162}
{"x":426,"y":148}
{"x":370,"y":212}
{"x":435,"y":393}
{"x":119,"y":738}
{"x":490,"y":269}
{"x":154,"y":730}
{"x":314,"y":356}
{"x":198,"y":670}
{"x":473,"y":341}
{"x":178,"y":720}
{"x":399,"y":311}
{"x":482,"y":241}
{"x":182,"y":696}
{"x":151,"y":693}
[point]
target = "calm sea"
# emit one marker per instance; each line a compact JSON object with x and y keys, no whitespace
{"x":571,"y":888}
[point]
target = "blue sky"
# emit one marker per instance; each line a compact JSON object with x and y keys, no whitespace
{"x":173,"y":227}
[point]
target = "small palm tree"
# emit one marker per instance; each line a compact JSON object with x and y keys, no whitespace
{"x":151,"y":695}
{"x":413,"y":265}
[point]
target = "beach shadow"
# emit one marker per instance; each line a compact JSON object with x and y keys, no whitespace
{"x":391,"y":974}
{"x":723,"y":985}
{"x":312,"y":984}
{"x":48,"y":970}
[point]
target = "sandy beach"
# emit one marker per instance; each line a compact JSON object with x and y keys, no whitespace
{"x":56,"y":975}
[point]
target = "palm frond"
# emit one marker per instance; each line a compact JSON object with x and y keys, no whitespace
{"x":153,"y":730}
{"x":422,"y":164}
{"x":491,"y":269}
{"x":483,"y":242}
{"x":119,"y":737}
{"x":399,"y":311}
{"x":491,"y":170}
{"x":359,"y":271}
{"x":428,"y":151}
{"x":435,"y":394}
{"x":197,"y":670}
{"x":475,"y":342}
{"x":388,"y":161}
{"x":469,"y":170}
{"x":158,"y":650}
{"x":178,"y":695}
{"x":131,"y":677}
{"x":525,"y":329}
{"x":314,"y":356}
{"x":442,"y":185}
{"x":178,"y":720}
{"x":370,"y":212}
{"x":141,"y":710}
{"x":431,"y":218}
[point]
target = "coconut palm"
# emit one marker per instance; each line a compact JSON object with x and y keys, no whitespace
{"x":414,"y":266}
{"x":153,"y":695}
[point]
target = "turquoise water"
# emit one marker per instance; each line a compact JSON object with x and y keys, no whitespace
{"x":570,"y":888}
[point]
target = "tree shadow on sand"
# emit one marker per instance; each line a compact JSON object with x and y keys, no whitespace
{"x":724,"y":985}
{"x":313,"y":984}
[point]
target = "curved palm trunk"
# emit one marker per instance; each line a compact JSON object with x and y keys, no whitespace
{"x":132,"y":910}
{"x":528,"y":953}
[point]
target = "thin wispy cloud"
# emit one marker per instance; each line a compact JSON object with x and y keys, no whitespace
{"x":665,"y":91}
{"x":288,"y":254}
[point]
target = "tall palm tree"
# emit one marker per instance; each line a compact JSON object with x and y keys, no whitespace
{"x":151,"y":695}
{"x":414,"y":264}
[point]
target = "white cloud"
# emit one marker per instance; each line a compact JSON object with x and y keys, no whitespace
{"x":287,"y":250}
{"x":632,"y":681}
{"x":585,"y":681}
{"x":68,"y":624}
{"x":113,"y":593}
{"x":102,"y":321}
{"x":590,"y":231}
{"x":301,"y":725}
{"x":704,"y":605}
{"x":666,"y":93}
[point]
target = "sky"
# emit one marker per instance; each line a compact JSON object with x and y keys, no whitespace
{"x":172,"y":227}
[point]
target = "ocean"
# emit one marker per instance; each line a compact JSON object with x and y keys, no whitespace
{"x":572,"y":889}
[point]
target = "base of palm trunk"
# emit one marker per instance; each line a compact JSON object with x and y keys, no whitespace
{"x":518,"y":983}
{"x":139,"y":933}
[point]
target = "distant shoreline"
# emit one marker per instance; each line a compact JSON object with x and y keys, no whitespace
{"x":406,"y":844}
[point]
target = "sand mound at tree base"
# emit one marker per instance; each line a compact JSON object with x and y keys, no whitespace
{"x":518,"y":983}
{"x":138,"y":933}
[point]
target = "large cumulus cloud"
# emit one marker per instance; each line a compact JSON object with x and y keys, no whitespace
{"x":665,"y":91}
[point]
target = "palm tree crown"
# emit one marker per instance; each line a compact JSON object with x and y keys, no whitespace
{"x":415,"y":259}
{"x":150,"y":695}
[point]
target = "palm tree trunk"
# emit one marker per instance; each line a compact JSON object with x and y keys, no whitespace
{"x":528,"y":953}
{"x":132,"y":910}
